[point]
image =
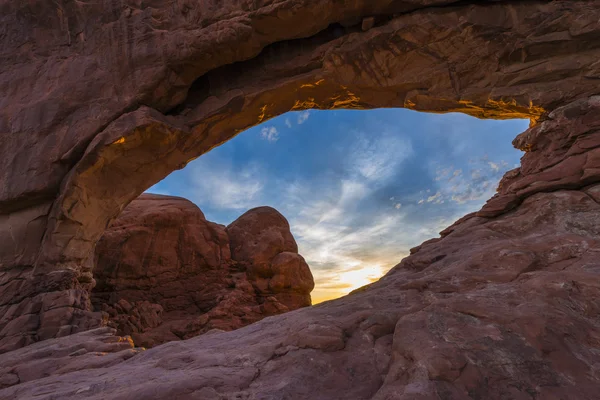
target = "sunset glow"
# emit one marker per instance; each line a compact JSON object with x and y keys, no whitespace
{"x":328,"y":288}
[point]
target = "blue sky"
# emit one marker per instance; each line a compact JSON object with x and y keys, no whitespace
{"x":360,"y":188}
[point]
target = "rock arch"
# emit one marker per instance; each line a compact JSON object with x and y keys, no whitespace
{"x":100,"y":101}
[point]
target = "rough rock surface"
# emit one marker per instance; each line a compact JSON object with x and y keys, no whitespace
{"x":99,"y":100}
{"x":262,"y":244}
{"x":163,"y":272}
{"x":97,"y":348}
{"x":562,"y":152}
{"x":503,"y":308}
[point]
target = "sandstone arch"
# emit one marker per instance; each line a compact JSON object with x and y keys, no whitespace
{"x":99,"y":101}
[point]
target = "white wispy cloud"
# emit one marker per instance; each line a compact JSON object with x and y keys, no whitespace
{"x":303,"y":117}
{"x":218,"y":185}
{"x":269,"y":133}
{"x":455,"y":174}
{"x":344,"y":250}
{"x":349,"y":194}
{"x":345,"y":253}
{"x":339,"y":244}
{"x":478,"y":184}
{"x":288,"y":123}
{"x":442,"y":173}
{"x":436,"y":198}
{"x":377,"y":159}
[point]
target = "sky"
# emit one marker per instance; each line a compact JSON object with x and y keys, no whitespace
{"x":359,"y":188}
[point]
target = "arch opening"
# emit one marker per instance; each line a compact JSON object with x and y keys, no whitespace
{"x":359,"y":189}
{"x":342,"y":177}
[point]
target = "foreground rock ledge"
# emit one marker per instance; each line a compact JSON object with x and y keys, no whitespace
{"x":503,"y":308}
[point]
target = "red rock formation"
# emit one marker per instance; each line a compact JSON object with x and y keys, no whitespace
{"x":561,"y":153}
{"x":104,"y":99}
{"x":261,"y":242}
{"x":163,"y":272}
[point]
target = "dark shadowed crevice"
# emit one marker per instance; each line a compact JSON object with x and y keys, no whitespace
{"x":219,"y":80}
{"x":225,"y":78}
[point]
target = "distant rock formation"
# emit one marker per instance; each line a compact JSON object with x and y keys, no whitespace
{"x":163,"y":272}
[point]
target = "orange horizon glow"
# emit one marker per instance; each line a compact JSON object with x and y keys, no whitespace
{"x":330,"y":288}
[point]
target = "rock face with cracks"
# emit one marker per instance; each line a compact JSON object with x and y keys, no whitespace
{"x":101,"y":100}
{"x":163,"y":272}
{"x":104,"y":99}
{"x":502,"y":308}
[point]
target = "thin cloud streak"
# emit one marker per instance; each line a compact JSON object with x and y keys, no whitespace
{"x":303,"y":117}
{"x":479,"y":184}
{"x":222,"y":187}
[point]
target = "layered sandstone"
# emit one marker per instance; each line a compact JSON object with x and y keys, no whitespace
{"x":100,"y":100}
{"x":163,"y":272}
{"x":103,"y":99}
